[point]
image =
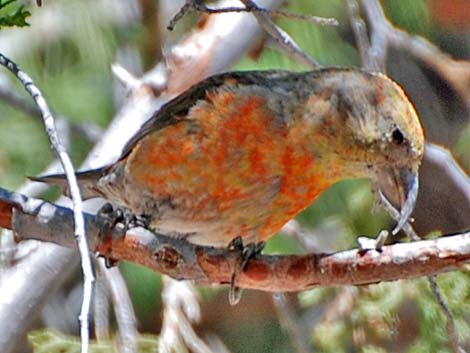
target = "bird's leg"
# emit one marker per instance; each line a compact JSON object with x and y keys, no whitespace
{"x":247,"y":252}
{"x":109,"y":218}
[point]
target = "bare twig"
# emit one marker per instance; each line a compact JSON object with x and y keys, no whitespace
{"x":66,"y":162}
{"x":377,"y":53}
{"x":263,"y":16}
{"x":188,"y":5}
{"x":212,"y":49}
{"x":451,"y":327}
{"x":281,"y":37}
{"x":7,"y":96}
{"x":251,"y":8}
{"x":9,"y":251}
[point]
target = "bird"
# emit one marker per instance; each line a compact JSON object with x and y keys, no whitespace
{"x":239,"y":154}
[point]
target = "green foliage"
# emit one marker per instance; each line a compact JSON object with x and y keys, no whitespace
{"x":410,"y":14}
{"x":20,"y":159}
{"x":462,"y":148}
{"x":16,"y":18}
{"x":401,"y":314}
{"x":50,"y":341}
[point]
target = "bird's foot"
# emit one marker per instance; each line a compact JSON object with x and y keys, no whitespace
{"x":117,"y":221}
{"x":109,"y":262}
{"x":110,"y":217}
{"x":247,"y":252}
{"x":366,"y":243}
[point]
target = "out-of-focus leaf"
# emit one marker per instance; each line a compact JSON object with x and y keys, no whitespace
{"x":16,"y":18}
{"x":50,"y":341}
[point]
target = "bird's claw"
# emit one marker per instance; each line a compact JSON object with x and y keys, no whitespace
{"x":367,"y":244}
{"x":110,"y":217}
{"x":247,"y":252}
{"x":117,"y":221}
{"x":110,"y":262}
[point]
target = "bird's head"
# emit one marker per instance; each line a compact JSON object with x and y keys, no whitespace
{"x":379,"y":132}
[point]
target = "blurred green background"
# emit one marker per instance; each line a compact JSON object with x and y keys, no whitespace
{"x":72,"y":67}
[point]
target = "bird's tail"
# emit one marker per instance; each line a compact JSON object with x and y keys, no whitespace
{"x":87,"y":182}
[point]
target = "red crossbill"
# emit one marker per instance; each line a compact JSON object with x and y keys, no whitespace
{"x":242,"y":153}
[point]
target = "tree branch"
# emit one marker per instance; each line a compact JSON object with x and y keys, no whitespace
{"x":36,"y":219}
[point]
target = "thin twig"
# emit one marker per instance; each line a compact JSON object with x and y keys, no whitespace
{"x":252,"y":8}
{"x":79,"y":228}
{"x":180,"y":14}
{"x":451,"y":328}
{"x":125,"y":77}
{"x":282,"y":38}
{"x":263,"y":16}
{"x":7,"y":96}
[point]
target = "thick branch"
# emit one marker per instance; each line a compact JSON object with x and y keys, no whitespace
{"x":37,"y":219}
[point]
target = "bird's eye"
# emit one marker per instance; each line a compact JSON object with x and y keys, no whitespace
{"x":397,"y":137}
